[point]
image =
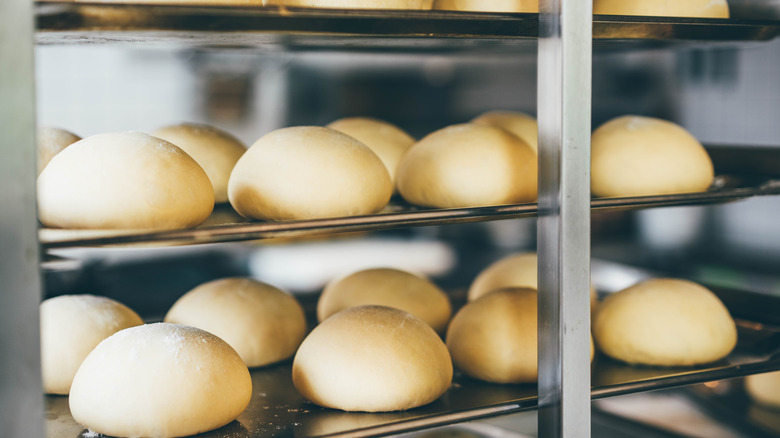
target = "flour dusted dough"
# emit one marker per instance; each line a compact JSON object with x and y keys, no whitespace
{"x":468,"y":165}
{"x":387,"y":287}
{"x":372,"y":358}
{"x":123,"y":180}
{"x":488,"y":5}
{"x":635,"y":156}
{"x":71,"y":326}
{"x":387,"y":141}
{"x":664,"y":322}
{"x":764,"y":388}
{"x":355,"y":4}
{"x":213,"y":149}
{"x":262,"y":323}
{"x":308,"y":172}
{"x":50,"y":141}
{"x":495,"y":337}
{"x":160,"y":380}
{"x":519,"y":124}
{"x":663,"y":8}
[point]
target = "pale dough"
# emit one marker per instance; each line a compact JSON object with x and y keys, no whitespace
{"x":764,"y":388}
{"x":387,"y":141}
{"x":50,"y":141}
{"x":71,"y":326}
{"x":488,"y":5}
{"x":387,"y":287}
{"x":664,"y":322}
{"x":126,"y":180}
{"x":663,"y":8}
{"x":468,"y":165}
{"x":213,"y":149}
{"x":308,"y":172}
{"x":372,"y":358}
{"x":262,"y":323}
{"x":519,"y":124}
{"x":636,"y":156}
{"x":160,"y":380}
{"x":355,"y":4}
{"x":494,"y":338}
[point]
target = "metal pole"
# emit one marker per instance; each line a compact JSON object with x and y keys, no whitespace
{"x":21,"y":394}
{"x":564,"y":102}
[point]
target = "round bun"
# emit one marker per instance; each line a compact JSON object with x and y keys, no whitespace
{"x":663,"y":8}
{"x":387,"y":141}
{"x":263,"y":324}
{"x":519,"y":124}
{"x":636,"y":156}
{"x":468,"y":165}
{"x":308,"y":172}
{"x":50,"y":141}
{"x":372,"y":358}
{"x":123,"y":180}
{"x":514,"y":270}
{"x":387,"y":287}
{"x":664,"y":322}
{"x":495,"y":337}
{"x":213,"y":149}
{"x":764,"y":388}
{"x":354,"y":4}
{"x":488,"y":5}
{"x":71,"y":326}
{"x":160,"y":380}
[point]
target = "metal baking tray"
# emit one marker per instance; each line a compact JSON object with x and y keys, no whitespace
{"x":277,"y":410}
{"x":60,"y":22}
{"x":728,"y":401}
{"x":743,"y":173}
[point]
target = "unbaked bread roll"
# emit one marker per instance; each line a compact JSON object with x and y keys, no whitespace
{"x":50,"y":141}
{"x":663,"y":8}
{"x":664,"y":322}
{"x":468,"y":165}
{"x":636,"y":156}
{"x":387,"y":141}
{"x":213,"y":149}
{"x":263,"y":324}
{"x":355,"y":4}
{"x":519,"y":124}
{"x":488,"y":5}
{"x":160,"y":380}
{"x":71,"y":326}
{"x":372,"y":358}
{"x":123,"y":180}
{"x":387,"y":287}
{"x":764,"y":388}
{"x":308,"y":172}
{"x":494,"y":338}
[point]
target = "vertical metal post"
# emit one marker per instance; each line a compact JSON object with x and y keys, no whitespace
{"x":564,"y":105}
{"x":21,"y":395}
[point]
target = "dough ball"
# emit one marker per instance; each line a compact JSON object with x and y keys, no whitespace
{"x":263,"y":324}
{"x":123,"y":180}
{"x":354,"y":4}
{"x":50,"y":141}
{"x":664,"y":322}
{"x":495,"y":337}
{"x":636,"y":156}
{"x":519,"y":124}
{"x":515,"y":270}
{"x":308,"y":172}
{"x":213,"y":149}
{"x":372,"y":358}
{"x":468,"y":165}
{"x":764,"y":388}
{"x":387,"y":287}
{"x":663,"y":8}
{"x":488,"y":5}
{"x":160,"y":380}
{"x":71,"y":326}
{"x":387,"y":141}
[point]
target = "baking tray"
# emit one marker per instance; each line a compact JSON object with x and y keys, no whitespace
{"x":729,"y":402}
{"x":303,"y":28}
{"x":277,"y":410}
